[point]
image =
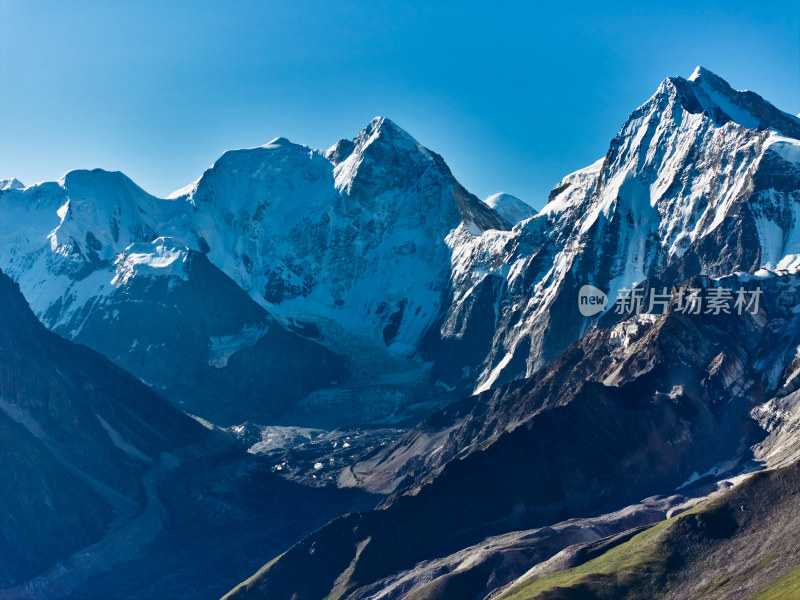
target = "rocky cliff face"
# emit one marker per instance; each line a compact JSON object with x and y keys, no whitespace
{"x":359,"y":243}
{"x":700,"y":179}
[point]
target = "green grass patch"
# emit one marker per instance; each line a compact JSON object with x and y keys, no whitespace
{"x":719,"y":582}
{"x":785,"y":588}
{"x":247,"y":583}
{"x":642,"y":565}
{"x":645,"y":553}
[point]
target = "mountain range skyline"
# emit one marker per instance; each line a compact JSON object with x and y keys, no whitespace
{"x":492,"y":197}
{"x":515,"y":97}
{"x":342,"y":362}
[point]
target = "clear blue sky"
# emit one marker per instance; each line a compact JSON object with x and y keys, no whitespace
{"x":512,"y":94}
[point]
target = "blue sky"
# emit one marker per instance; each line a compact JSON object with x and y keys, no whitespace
{"x":513,"y":95}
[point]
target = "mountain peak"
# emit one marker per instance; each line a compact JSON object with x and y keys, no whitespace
{"x":86,"y":175}
{"x":97,"y":182}
{"x":511,"y":208}
{"x":279,"y":142}
{"x":382,"y":128}
{"x":11,"y":184}
{"x":385,"y":123}
{"x":707,"y":92}
{"x":380,"y":144}
{"x":701,"y":73}
{"x":716,"y":88}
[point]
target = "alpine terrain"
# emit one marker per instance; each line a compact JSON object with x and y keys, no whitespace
{"x":338,"y":374}
{"x":609,"y":456}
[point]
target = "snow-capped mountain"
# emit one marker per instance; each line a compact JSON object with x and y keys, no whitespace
{"x":348,"y":285}
{"x":373,"y":249}
{"x":88,"y":253}
{"x":511,"y":208}
{"x":347,"y":248}
{"x":354,"y":237}
{"x":11,"y":184}
{"x":700,"y":179}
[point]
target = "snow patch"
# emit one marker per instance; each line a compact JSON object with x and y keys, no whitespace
{"x":787,"y":148}
{"x":223,"y":347}
{"x":162,"y":257}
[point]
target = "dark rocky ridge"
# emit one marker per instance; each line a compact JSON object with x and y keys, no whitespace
{"x":67,"y":416}
{"x":108,"y":491}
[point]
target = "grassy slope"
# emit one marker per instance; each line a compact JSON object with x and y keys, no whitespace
{"x":247,"y":583}
{"x":786,"y":588}
{"x":647,"y":565}
{"x":620,"y":567}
